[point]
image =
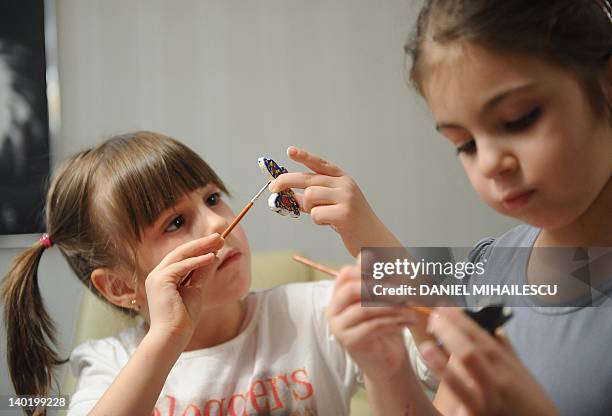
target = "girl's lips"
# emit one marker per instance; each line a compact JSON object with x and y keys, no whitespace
{"x":230,"y":258}
{"x":517,"y":201}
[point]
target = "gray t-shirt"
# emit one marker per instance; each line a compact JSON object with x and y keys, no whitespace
{"x":567,"y":349}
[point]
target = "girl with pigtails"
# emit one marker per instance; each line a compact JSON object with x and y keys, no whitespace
{"x":133,"y":217}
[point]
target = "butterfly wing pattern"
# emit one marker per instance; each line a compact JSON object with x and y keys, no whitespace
{"x":283,"y":202}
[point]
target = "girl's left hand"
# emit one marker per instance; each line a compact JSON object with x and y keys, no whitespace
{"x":333,"y":198}
{"x":484,"y":376}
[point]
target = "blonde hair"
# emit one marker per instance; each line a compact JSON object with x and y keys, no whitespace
{"x":97,"y":207}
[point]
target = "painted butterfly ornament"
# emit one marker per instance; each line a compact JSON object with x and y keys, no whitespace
{"x":283,"y":202}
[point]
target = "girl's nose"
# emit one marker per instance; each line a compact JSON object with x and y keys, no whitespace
{"x":213,"y":222}
{"x":495,"y":161}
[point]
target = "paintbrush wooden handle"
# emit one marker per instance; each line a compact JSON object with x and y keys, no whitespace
{"x":237,"y":219}
{"x":420,"y":309}
{"x":315,"y":265}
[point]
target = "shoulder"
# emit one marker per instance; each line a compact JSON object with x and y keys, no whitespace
{"x":520,"y":236}
{"x":95,"y":364}
{"x":523,"y":235}
{"x":112,"y":351}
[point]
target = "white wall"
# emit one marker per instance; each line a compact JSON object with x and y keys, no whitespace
{"x":238,"y":79}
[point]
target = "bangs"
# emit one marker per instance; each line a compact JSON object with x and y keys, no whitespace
{"x":146,"y":173}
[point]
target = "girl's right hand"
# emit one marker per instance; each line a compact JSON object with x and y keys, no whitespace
{"x":333,"y":198}
{"x":483,"y":376}
{"x":174,"y":309}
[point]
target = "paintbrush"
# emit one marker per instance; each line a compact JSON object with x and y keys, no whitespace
{"x":490,"y":317}
{"x":421,"y":309}
{"x":244,"y":211}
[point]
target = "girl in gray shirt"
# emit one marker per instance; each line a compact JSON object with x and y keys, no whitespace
{"x":523,"y":91}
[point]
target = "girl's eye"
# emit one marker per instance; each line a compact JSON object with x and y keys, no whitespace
{"x":213,"y":199}
{"x":175,"y":224}
{"x":524,"y":121}
{"x":468,"y":148}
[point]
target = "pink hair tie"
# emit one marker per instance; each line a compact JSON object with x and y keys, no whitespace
{"x":45,"y":240}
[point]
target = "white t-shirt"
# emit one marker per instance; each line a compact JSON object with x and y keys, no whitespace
{"x":285,"y":361}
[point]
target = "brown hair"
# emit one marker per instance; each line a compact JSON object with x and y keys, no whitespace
{"x":97,"y":207}
{"x":574,"y":34}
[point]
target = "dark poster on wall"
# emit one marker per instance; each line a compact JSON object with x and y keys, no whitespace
{"x":24,"y":119}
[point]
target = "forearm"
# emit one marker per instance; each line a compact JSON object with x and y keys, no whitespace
{"x":402,"y":394}
{"x":378,"y":235}
{"x":137,"y":387}
{"x":370,"y":232}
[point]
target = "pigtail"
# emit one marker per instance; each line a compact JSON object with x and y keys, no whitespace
{"x":31,"y":353}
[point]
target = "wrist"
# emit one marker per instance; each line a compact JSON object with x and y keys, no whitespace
{"x":167,"y":341}
{"x":401,"y":393}
{"x":376,"y":234}
{"x":390,"y":376}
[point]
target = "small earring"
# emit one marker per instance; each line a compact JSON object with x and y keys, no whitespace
{"x":134,"y":305}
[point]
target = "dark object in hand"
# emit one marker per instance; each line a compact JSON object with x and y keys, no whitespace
{"x":491,"y":317}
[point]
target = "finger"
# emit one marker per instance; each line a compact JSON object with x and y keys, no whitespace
{"x":299,"y":180}
{"x":460,"y":323}
{"x":192,"y":297}
{"x":191,"y":280}
{"x":208,"y":244}
{"x":501,"y":337}
{"x":346,"y":293}
{"x":348,"y":274}
{"x":446,"y":371}
{"x":435,"y":357}
{"x":319,"y":196}
{"x":455,"y":341}
{"x":355,"y":314}
{"x":300,"y":200}
{"x":474,"y":352}
{"x":178,"y":270}
{"x":371,"y":328}
{"x":327,"y":214}
{"x":313,"y":162}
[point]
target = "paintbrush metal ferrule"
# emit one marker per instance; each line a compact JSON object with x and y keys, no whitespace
{"x":263,"y":188}
{"x":243,"y":212}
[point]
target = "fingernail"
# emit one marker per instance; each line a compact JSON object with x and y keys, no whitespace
{"x":426,"y":350}
{"x":402,"y":318}
{"x":407,"y":313}
{"x":292,"y":150}
{"x":431,"y":322}
{"x":446,"y":311}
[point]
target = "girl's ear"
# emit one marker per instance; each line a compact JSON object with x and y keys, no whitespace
{"x":113,"y":287}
